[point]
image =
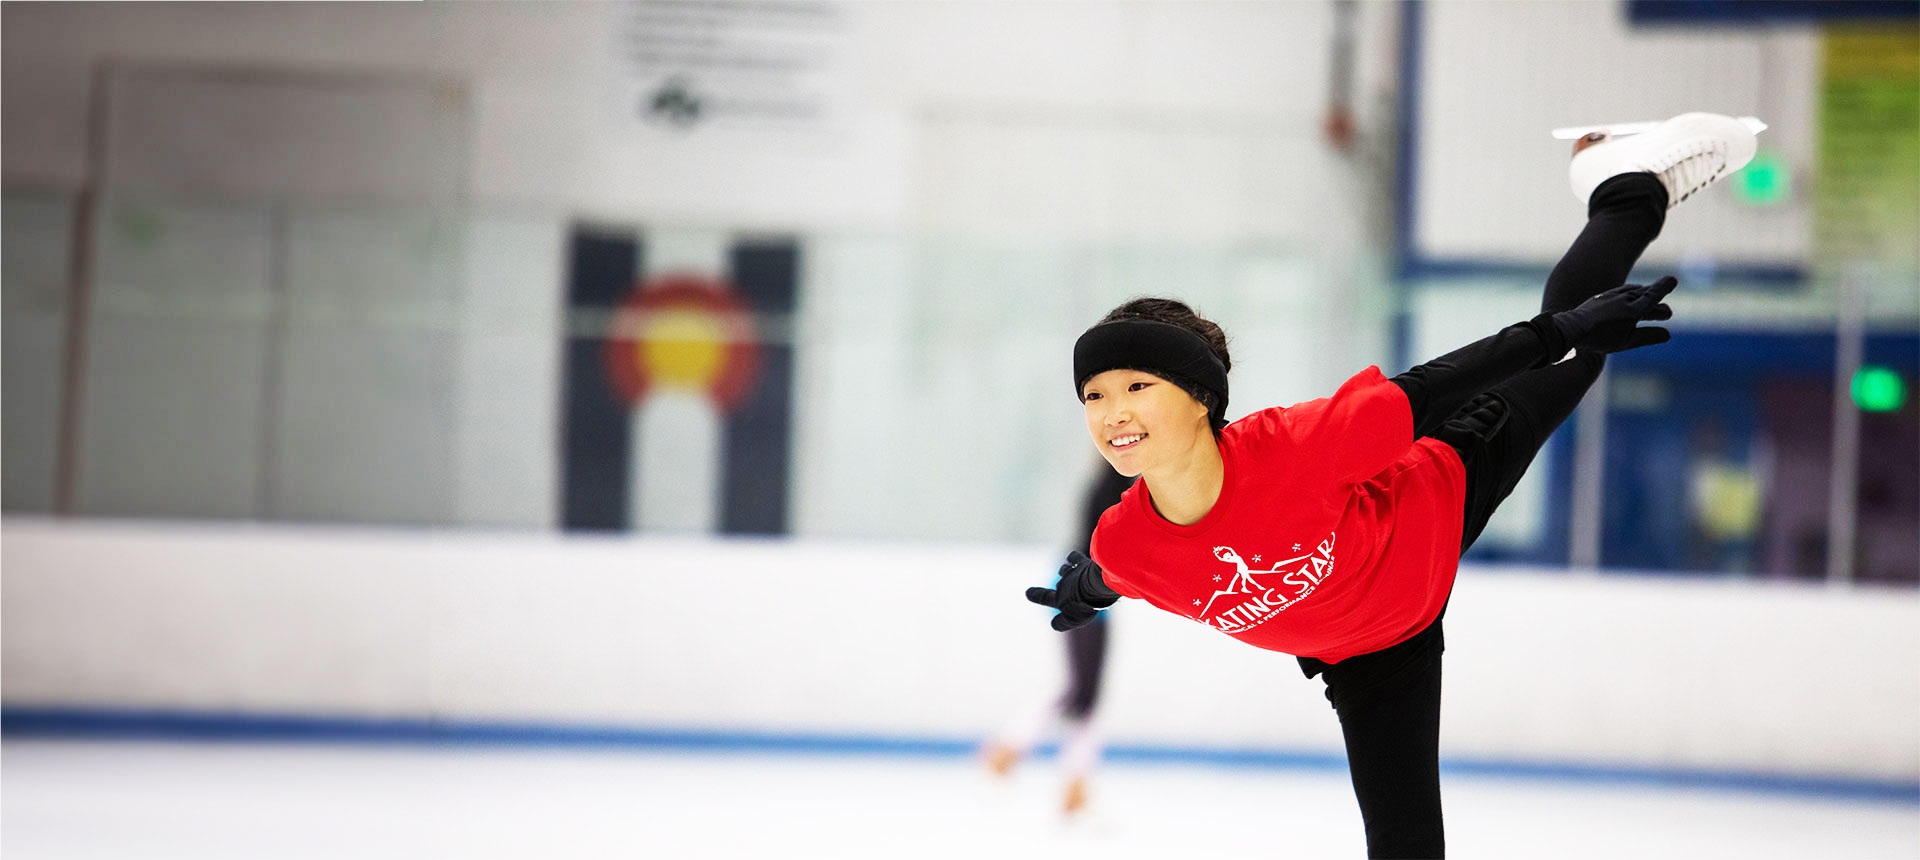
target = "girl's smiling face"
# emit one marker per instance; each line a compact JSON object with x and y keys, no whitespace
{"x":1141,"y":422}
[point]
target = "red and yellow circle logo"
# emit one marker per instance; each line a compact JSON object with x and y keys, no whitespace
{"x":684,"y":332}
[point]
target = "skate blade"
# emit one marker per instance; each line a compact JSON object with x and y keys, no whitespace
{"x":1622,"y":129}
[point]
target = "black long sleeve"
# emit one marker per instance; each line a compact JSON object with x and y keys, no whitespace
{"x":1442,"y":385}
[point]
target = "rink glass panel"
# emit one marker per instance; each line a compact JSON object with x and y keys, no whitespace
{"x":381,"y":365}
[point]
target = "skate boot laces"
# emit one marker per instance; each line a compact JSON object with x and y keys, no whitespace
{"x":1687,"y":168}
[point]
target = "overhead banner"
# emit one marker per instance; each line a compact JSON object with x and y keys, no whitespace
{"x":679,"y":386}
{"x":735,"y":68}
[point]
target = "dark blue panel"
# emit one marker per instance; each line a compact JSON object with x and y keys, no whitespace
{"x":767,"y":274}
{"x":1742,"y":355}
{"x":1716,"y":387}
{"x":1711,"y":12}
{"x":601,"y":268}
{"x":757,"y":445}
{"x":596,"y":439}
{"x":1710,"y":376}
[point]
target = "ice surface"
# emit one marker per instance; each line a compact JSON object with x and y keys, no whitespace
{"x":77,"y":800}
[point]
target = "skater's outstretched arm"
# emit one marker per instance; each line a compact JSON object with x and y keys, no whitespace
{"x":1605,"y":323}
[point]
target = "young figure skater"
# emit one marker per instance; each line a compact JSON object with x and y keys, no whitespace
{"x":1086,"y":659}
{"x":1331,"y":529}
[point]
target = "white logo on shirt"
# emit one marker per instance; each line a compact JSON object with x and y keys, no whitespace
{"x":1250,"y":601}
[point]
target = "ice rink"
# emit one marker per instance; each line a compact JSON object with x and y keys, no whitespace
{"x":78,"y":800}
{"x":629,"y":429}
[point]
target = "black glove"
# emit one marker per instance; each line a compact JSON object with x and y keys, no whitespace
{"x":1080,"y":594}
{"x":1609,"y":321}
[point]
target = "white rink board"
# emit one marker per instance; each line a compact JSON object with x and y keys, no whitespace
{"x":904,"y":639}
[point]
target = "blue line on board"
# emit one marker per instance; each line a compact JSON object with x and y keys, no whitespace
{"x":1437,"y":270}
{"x":113,"y":724}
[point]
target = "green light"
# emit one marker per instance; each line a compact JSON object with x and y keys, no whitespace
{"x":1763,"y":182}
{"x":1878,"y":389}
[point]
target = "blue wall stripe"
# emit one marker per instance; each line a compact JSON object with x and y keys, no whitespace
{"x":108,"y":724}
{"x":1439,"y":271}
{"x":1405,"y":255}
{"x":1726,"y":13}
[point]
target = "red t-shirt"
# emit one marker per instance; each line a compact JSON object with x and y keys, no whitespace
{"x":1336,"y":532}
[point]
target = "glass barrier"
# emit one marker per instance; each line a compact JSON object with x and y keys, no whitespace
{"x":517,"y":369}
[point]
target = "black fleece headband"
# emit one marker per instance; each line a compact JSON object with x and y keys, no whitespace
{"x":1163,"y":349}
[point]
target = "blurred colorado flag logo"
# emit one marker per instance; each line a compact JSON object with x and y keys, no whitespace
{"x":685,"y":333}
{"x":678,"y":398}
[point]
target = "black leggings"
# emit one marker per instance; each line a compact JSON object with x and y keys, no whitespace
{"x":1389,"y":700}
{"x":1086,"y":653}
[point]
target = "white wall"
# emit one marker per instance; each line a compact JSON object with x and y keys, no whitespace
{"x":1491,"y":185}
{"x":913,"y":639}
{"x":1148,"y":103}
{"x":998,"y":175}
{"x":995,"y":177}
{"x":1497,"y":77}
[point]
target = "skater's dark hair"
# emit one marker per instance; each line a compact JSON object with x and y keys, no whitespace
{"x":1174,"y":312}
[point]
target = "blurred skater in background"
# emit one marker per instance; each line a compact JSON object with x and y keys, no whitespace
{"x":1072,"y":711}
